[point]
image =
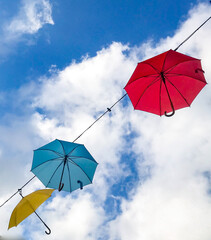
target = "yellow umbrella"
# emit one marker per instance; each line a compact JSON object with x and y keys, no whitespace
{"x":28,"y":205}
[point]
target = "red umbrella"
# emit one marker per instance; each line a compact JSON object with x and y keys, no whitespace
{"x":165,"y":83}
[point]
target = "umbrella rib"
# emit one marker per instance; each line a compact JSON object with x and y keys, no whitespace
{"x":81,"y":170}
{"x":171,"y":68}
{"x":29,"y":204}
{"x":178,"y":91}
{"x":59,"y":154}
{"x":16,"y":217}
{"x":164,"y":60}
{"x":177,"y":74}
{"x":82,"y":157}
{"x":74,"y":148}
{"x":79,"y":145}
{"x":158,"y":71}
{"x":142,"y":77}
{"x":54,"y":159}
{"x":62,"y":146}
{"x":155,"y":80}
{"x":54,"y":173}
{"x":71,"y":161}
{"x":69,"y":176}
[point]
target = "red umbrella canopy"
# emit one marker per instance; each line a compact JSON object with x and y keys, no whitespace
{"x":165,"y":83}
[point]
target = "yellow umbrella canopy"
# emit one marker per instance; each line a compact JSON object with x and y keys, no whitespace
{"x":28,"y":205}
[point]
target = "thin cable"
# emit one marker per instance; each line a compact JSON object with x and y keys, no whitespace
{"x":192,"y":33}
{"x":108,"y":110}
{"x":18,"y":190}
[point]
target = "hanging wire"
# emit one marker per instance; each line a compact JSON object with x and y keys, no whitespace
{"x":193,"y":32}
{"x":19,"y":190}
{"x":109,"y":109}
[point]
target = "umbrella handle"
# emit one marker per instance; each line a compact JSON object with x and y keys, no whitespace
{"x":172,"y":106}
{"x":61,"y":185}
{"x":49,"y":230}
{"x":81,"y":184}
{"x":171,"y":114}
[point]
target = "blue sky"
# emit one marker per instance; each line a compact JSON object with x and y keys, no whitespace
{"x":84,"y":27}
{"x":62,"y":63}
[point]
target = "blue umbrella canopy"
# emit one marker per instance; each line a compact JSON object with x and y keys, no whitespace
{"x":64,"y":165}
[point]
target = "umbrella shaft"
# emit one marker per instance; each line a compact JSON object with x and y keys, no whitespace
{"x":172,"y":106}
{"x":40,"y":218}
{"x":60,"y":184}
{"x":163,"y":78}
{"x":49,"y":231}
{"x":65,"y":161}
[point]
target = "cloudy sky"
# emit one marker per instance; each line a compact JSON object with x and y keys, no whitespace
{"x":62,"y":63}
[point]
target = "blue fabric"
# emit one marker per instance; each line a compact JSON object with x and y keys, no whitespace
{"x":48,"y":163}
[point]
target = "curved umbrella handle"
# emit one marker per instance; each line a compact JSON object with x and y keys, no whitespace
{"x":171,"y":114}
{"x":49,"y":230}
{"x":81,"y":184}
{"x":61,"y":185}
{"x":172,"y":106}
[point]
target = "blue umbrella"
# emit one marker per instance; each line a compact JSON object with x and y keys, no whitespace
{"x":64,"y":165}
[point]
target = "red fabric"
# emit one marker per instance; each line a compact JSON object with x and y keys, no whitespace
{"x":184,"y":79}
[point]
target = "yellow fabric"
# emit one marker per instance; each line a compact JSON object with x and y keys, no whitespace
{"x":28,"y":205}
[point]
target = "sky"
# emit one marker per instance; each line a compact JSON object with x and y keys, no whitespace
{"x":62,"y":63}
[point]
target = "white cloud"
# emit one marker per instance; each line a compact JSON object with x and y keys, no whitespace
{"x":172,"y":201}
{"x":32,"y":16}
{"x":76,"y":219}
{"x":75,"y":96}
{"x":69,"y":109}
